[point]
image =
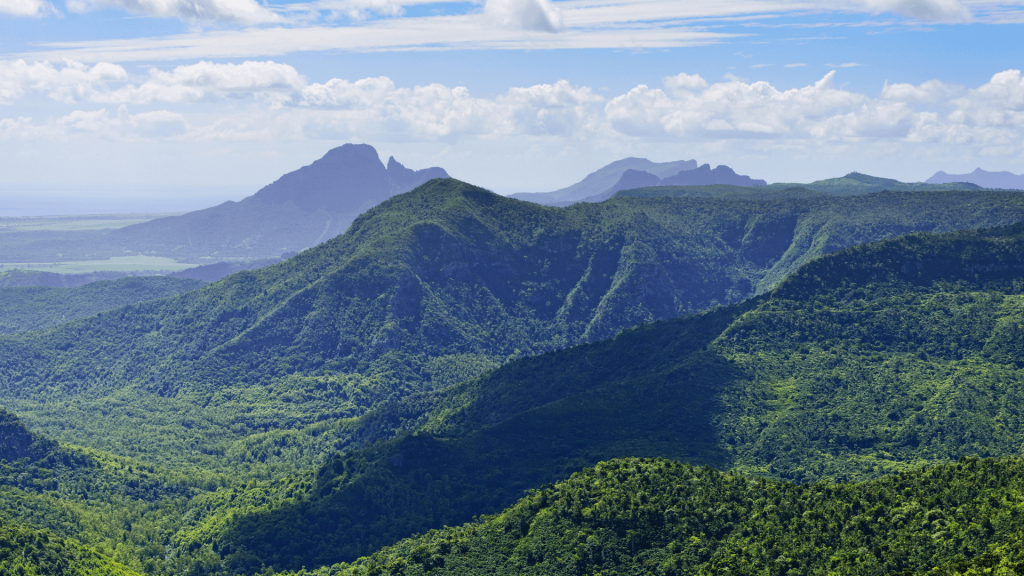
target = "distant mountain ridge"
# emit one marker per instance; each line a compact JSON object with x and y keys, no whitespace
{"x":299,"y":210}
{"x":601,"y":180}
{"x":702,"y":176}
{"x":856,"y":183}
{"x":985,"y":179}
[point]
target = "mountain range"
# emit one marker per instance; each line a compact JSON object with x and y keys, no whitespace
{"x":426,"y":289}
{"x":632,"y":173}
{"x":677,"y":378}
{"x":999,"y":180}
{"x":640,"y":173}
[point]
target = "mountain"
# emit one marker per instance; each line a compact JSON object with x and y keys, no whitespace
{"x":856,"y":183}
{"x":874,"y":360}
{"x":656,"y":516}
{"x":1003,"y":180}
{"x":705,"y":175}
{"x":629,"y":180}
{"x":35,"y":308}
{"x":702,"y":176}
{"x":301,"y":209}
{"x":603,"y":179}
{"x":429,"y":288}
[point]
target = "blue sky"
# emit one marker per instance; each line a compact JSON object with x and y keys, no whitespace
{"x":196,"y":101}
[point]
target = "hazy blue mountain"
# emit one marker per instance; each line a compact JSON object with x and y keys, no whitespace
{"x":301,"y":209}
{"x":704,"y":176}
{"x":629,"y":180}
{"x":1004,"y":180}
{"x":600,"y":181}
{"x":403,"y":179}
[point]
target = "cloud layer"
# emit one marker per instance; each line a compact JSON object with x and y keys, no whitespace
{"x":268,"y":101}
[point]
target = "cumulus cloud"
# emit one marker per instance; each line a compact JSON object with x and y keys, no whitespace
{"x":227,"y":11}
{"x":735,"y":107}
{"x":68,"y":83}
{"x":437,"y":111}
{"x":535,"y":15}
{"x":110,"y":84}
{"x":686,"y":109}
{"x":931,"y":91}
{"x":683,"y":84}
{"x":26,"y":8}
{"x":206,"y":80}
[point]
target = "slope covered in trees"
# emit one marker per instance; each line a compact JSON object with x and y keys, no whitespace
{"x":37,"y":307}
{"x":25,"y":551}
{"x":661,"y":517}
{"x":874,"y":360}
{"x":430,"y":288}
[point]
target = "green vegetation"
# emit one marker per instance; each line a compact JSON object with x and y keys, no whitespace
{"x":121,"y":508}
{"x":28,"y":552}
{"x":856,"y":183}
{"x":875,"y":360}
{"x":660,"y":517}
{"x":719,"y":191}
{"x":853,"y":184}
{"x":261,"y":373}
{"x":34,"y":308}
{"x":451,"y":352}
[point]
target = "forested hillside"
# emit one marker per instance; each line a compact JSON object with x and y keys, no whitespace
{"x":25,"y":551}
{"x":37,"y":307}
{"x":112,"y":507}
{"x":874,"y":360}
{"x":660,"y":517}
{"x":258,"y":373}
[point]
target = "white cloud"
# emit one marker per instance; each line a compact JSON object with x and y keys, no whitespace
{"x":929,"y":10}
{"x":931,"y":91}
{"x":684,"y":83}
{"x":69,"y":83}
{"x":988,"y":119}
{"x":752,"y":110}
{"x":26,"y":7}
{"x":539,"y":15}
{"x":206,"y":80}
{"x":232,"y":11}
{"x":377,"y":106}
{"x":100,"y":124}
{"x":797,"y":65}
{"x":110,"y":84}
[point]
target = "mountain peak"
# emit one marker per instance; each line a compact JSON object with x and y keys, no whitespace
{"x":983,"y":178}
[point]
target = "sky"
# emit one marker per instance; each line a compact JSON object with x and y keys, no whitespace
{"x":137,"y":105}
